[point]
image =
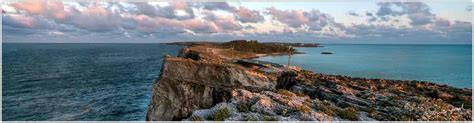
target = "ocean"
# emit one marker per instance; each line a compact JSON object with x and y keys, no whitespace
{"x":80,"y":81}
{"x":113,"y":81}
{"x":443,"y":64}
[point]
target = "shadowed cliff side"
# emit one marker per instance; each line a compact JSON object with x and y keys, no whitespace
{"x":186,"y":85}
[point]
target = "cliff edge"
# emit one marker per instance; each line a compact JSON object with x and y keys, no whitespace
{"x":210,"y":82}
{"x":186,"y":85}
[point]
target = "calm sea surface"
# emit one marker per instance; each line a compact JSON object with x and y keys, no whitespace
{"x":444,"y":64}
{"x":79,"y":81}
{"x":113,"y":81}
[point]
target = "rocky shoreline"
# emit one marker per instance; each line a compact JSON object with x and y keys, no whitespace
{"x":204,"y":82}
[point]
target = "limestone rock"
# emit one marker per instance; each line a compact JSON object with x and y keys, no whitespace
{"x":186,"y":85}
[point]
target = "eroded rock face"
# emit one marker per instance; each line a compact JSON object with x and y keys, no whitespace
{"x":186,"y":85}
{"x":203,"y":84}
{"x":266,"y":105}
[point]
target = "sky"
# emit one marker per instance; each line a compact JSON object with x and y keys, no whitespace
{"x":53,"y":21}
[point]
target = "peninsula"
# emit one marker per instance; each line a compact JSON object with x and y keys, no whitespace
{"x":219,"y":81}
{"x":268,"y":43}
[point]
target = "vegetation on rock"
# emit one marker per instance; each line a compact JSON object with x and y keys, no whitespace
{"x":256,"y":47}
{"x":196,"y":118}
{"x":349,"y":113}
{"x":243,"y":107}
{"x":326,"y":108}
{"x":285,"y":92}
{"x":220,"y":114}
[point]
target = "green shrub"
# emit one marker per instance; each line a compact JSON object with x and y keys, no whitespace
{"x":269,"y":118}
{"x":243,"y":107}
{"x":300,"y":94}
{"x":303,"y":108}
{"x":349,"y":113}
{"x":285,"y":92}
{"x":326,"y":108}
{"x":256,"y":47}
{"x":196,"y":118}
{"x":251,"y":118}
{"x":220,"y":114}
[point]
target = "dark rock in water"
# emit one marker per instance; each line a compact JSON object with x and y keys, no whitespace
{"x":326,"y":53}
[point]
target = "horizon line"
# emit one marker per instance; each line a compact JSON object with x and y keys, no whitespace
{"x":223,"y":42}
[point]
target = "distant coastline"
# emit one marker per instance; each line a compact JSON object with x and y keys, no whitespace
{"x":270,"y":43}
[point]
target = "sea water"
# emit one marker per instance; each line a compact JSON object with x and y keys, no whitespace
{"x":443,"y":64}
{"x":113,"y":81}
{"x":80,"y":81}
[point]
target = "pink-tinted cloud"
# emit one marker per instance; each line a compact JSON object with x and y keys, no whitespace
{"x":30,"y":6}
{"x":94,"y":18}
{"x":313,"y":19}
{"x":227,"y":23}
{"x":223,"y":19}
{"x":246,"y":15}
{"x":179,"y":4}
{"x":21,"y":21}
{"x":201,"y":26}
{"x":55,"y":9}
{"x":293,"y":18}
{"x":52,"y":8}
{"x":157,"y":24}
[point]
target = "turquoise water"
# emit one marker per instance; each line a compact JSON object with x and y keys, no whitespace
{"x":443,"y":64}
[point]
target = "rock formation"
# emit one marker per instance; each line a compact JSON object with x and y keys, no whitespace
{"x":203,"y":83}
{"x":186,"y":85}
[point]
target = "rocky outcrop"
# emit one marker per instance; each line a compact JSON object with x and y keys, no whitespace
{"x":203,"y":83}
{"x":387,"y":99}
{"x":266,"y":105}
{"x":186,"y":85}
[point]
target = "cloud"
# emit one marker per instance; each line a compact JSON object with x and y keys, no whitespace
{"x":313,"y":19}
{"x":170,"y":12}
{"x":293,"y":18}
{"x":442,"y":31}
{"x":53,"y":9}
{"x":19,"y":21}
{"x":179,"y":4}
{"x":249,"y":27}
{"x":369,"y":14}
{"x":245,"y":15}
{"x":94,"y":18}
{"x":352,"y":13}
{"x":30,"y":6}
{"x":227,"y":23}
{"x":181,"y":20}
{"x":215,"y":6}
{"x":418,"y":13}
{"x":201,"y":26}
{"x":144,"y":23}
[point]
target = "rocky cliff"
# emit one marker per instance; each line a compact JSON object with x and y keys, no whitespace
{"x":205,"y":83}
{"x":186,"y":85}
